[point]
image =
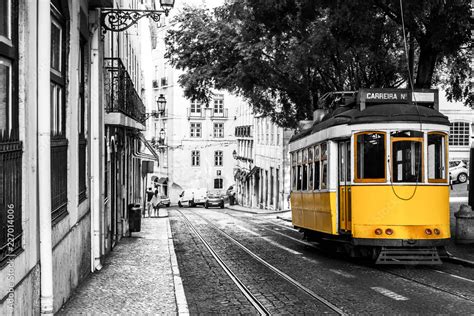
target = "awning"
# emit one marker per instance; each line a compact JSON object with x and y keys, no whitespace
{"x":150,"y":148}
{"x":253,"y":171}
{"x":162,"y":180}
{"x":144,"y":156}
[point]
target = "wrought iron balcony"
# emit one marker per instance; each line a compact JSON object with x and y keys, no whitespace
{"x":121,"y":94}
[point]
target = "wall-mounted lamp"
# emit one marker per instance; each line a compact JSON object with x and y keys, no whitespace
{"x":234,"y":154}
{"x":160,"y":105}
{"x":118,"y":20}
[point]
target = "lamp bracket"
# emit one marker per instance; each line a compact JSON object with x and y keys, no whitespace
{"x":118,"y":20}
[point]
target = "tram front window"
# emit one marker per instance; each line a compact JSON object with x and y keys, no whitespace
{"x":370,"y":157}
{"x":406,"y":161}
{"x":436,"y":157}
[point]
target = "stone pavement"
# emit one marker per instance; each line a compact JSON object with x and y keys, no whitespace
{"x":140,"y":276}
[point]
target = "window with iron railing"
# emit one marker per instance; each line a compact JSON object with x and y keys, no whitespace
{"x":11,"y":148}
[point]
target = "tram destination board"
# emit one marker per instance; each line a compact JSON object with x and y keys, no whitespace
{"x":426,"y":97}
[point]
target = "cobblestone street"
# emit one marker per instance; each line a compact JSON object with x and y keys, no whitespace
{"x":136,"y":278}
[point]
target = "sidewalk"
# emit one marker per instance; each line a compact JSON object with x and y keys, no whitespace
{"x":140,"y":276}
{"x":463,"y":254}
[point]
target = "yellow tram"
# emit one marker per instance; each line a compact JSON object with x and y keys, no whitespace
{"x":372,"y":175}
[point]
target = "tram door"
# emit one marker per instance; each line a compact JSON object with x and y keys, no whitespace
{"x":345,"y":204}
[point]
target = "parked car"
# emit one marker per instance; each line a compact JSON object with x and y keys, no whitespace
{"x":164,"y":201}
{"x":458,"y":171}
{"x":214,"y":198}
{"x":192,"y":197}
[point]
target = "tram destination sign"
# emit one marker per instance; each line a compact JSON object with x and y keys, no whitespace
{"x":428,"y":97}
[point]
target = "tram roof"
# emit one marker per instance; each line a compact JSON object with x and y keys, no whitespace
{"x":380,"y":113}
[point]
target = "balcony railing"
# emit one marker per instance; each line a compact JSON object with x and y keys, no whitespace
{"x":196,"y":114}
{"x":223,"y":113}
{"x":11,"y":150}
{"x":121,"y":95}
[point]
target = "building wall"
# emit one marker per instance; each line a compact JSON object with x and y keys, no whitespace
{"x":71,"y":234}
{"x":175,"y":156}
{"x":457,"y":112}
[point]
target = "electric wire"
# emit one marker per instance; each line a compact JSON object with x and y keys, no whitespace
{"x":410,"y":80}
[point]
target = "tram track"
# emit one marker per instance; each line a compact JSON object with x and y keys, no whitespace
{"x":380,"y":269}
{"x":252,"y":298}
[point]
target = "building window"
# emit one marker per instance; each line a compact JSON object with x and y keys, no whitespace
{"x":459,"y":134}
{"x":218,"y":183}
{"x":59,"y":143}
{"x":195,"y":158}
{"x":218,"y":158}
{"x":219,"y":104}
{"x":195,"y":107}
{"x":218,"y":130}
{"x":195,"y":129}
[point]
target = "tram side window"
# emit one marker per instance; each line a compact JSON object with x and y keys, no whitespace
{"x":324,"y":166}
{"x":436,"y":157}
{"x":293,"y":171}
{"x":299,"y":172}
{"x":317,"y":166}
{"x":370,"y":159}
{"x":310,"y":168}
{"x":406,"y":160}
{"x":304,"y":185}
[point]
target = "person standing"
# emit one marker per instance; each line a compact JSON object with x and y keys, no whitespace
{"x":149,"y":195}
{"x":155,"y":202}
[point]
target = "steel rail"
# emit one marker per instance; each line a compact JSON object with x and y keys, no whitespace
{"x":277,"y":271}
{"x":250,"y":297}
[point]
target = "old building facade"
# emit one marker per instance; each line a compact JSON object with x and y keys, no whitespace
{"x":70,"y":121}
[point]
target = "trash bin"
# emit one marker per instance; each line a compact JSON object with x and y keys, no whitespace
{"x":464,"y":225}
{"x":134,"y":217}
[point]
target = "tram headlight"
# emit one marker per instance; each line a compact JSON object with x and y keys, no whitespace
{"x":389,"y":231}
{"x":437,"y":231}
{"x":378,"y":231}
{"x":428,"y":231}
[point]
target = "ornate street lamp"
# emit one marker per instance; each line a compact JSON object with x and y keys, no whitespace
{"x":118,"y":20}
{"x":160,"y":104}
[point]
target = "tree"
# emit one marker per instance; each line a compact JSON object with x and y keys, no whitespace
{"x":281,"y":55}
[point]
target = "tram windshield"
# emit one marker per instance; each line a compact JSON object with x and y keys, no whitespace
{"x":436,"y":157}
{"x":406,"y":159}
{"x":370,"y":157}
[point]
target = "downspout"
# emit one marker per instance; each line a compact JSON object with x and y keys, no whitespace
{"x":44,"y":155}
{"x":96,"y":152}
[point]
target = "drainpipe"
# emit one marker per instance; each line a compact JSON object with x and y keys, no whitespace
{"x":44,"y":156}
{"x":96,"y":151}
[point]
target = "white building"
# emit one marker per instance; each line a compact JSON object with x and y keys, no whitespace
{"x":263,"y":170}
{"x":195,"y":142}
{"x":461,"y":131}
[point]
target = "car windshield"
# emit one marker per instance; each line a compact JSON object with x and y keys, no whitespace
{"x":213,"y":194}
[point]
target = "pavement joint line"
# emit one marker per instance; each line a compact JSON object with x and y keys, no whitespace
{"x":180,"y":296}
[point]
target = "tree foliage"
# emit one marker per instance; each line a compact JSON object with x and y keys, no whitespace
{"x":281,"y":55}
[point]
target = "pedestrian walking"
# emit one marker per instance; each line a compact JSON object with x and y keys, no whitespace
{"x":155,"y":202}
{"x":149,"y":195}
